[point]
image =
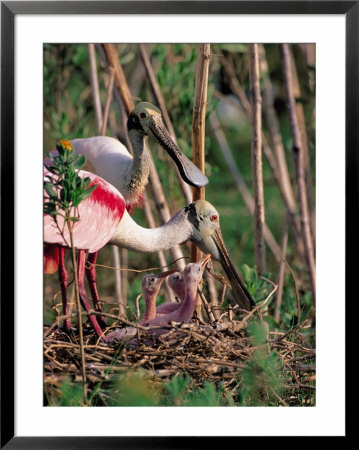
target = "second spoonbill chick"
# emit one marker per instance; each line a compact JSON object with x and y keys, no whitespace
{"x":151,"y":285}
{"x":192,"y":276}
{"x":178,"y":286}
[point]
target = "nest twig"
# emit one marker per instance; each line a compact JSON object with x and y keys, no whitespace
{"x":216,"y":352}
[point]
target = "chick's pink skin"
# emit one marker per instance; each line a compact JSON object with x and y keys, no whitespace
{"x":192,"y":276}
{"x":151,"y":285}
{"x":177,"y":284}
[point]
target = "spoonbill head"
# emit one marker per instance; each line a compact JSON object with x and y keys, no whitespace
{"x":208,"y":237}
{"x":151,"y":285}
{"x":146,"y":119}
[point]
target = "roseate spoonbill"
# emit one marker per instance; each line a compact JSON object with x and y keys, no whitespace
{"x":151,"y":285}
{"x":177,"y":284}
{"x":192,"y":275}
{"x":109,"y":158}
{"x":104,"y":220}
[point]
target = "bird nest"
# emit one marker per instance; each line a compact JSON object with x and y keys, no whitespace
{"x":220,"y":352}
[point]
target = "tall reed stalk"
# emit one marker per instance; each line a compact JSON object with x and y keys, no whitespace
{"x":299,"y":159}
{"x":257,"y":164}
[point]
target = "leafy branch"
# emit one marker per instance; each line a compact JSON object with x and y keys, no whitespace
{"x":65,"y":190}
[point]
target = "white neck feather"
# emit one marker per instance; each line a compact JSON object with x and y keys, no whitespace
{"x":134,"y":237}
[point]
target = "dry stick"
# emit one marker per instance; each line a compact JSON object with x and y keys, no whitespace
{"x":120,"y":78}
{"x":198,"y":133}
{"x":241,"y":185}
{"x":184,"y":186}
{"x":108,"y":102}
{"x":95,"y":86}
{"x":257,"y":164}
{"x":286,"y":190}
{"x":282,"y":268}
{"x":155,"y":184}
{"x":78,"y":304}
{"x":137,"y":76}
{"x":120,"y":290}
{"x":309,"y":53}
{"x":300,"y":169}
{"x":273,"y":126}
{"x":240,"y":93}
{"x":124,"y":251}
{"x":304,"y":140}
{"x":102,"y":120}
{"x":296,"y":292}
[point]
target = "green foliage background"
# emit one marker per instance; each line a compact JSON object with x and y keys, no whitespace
{"x":69,"y":113}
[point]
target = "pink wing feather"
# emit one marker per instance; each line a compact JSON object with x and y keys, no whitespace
{"x":99,"y":216}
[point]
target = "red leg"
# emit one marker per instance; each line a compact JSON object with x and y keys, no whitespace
{"x":82,"y":291}
{"x":91,"y":278}
{"x":63,"y":279}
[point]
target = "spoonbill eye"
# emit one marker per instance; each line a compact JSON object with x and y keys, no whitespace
{"x":214,"y":217}
{"x":143,"y":115}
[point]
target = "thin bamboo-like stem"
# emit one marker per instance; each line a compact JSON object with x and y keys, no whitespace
{"x":304,"y":140}
{"x":309,"y":53}
{"x":117,"y":96}
{"x":78,"y":304}
{"x":257,"y":164}
{"x":300,"y":168}
{"x":275,"y":164}
{"x":102,"y":119}
{"x":155,"y":89}
{"x":240,"y":183}
{"x":198,"y":134}
{"x":108,"y":102}
{"x":120,"y":277}
{"x":282,"y":270}
{"x":199,"y":113}
{"x":120,"y":78}
{"x":121,"y":300}
{"x":95,"y":86}
{"x":273,"y":126}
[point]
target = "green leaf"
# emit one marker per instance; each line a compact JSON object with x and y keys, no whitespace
{"x":80,"y":162}
{"x":52,"y":169}
{"x":50,"y":191}
{"x":88,"y":192}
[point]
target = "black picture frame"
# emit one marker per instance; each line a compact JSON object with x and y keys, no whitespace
{"x":9,"y":10}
